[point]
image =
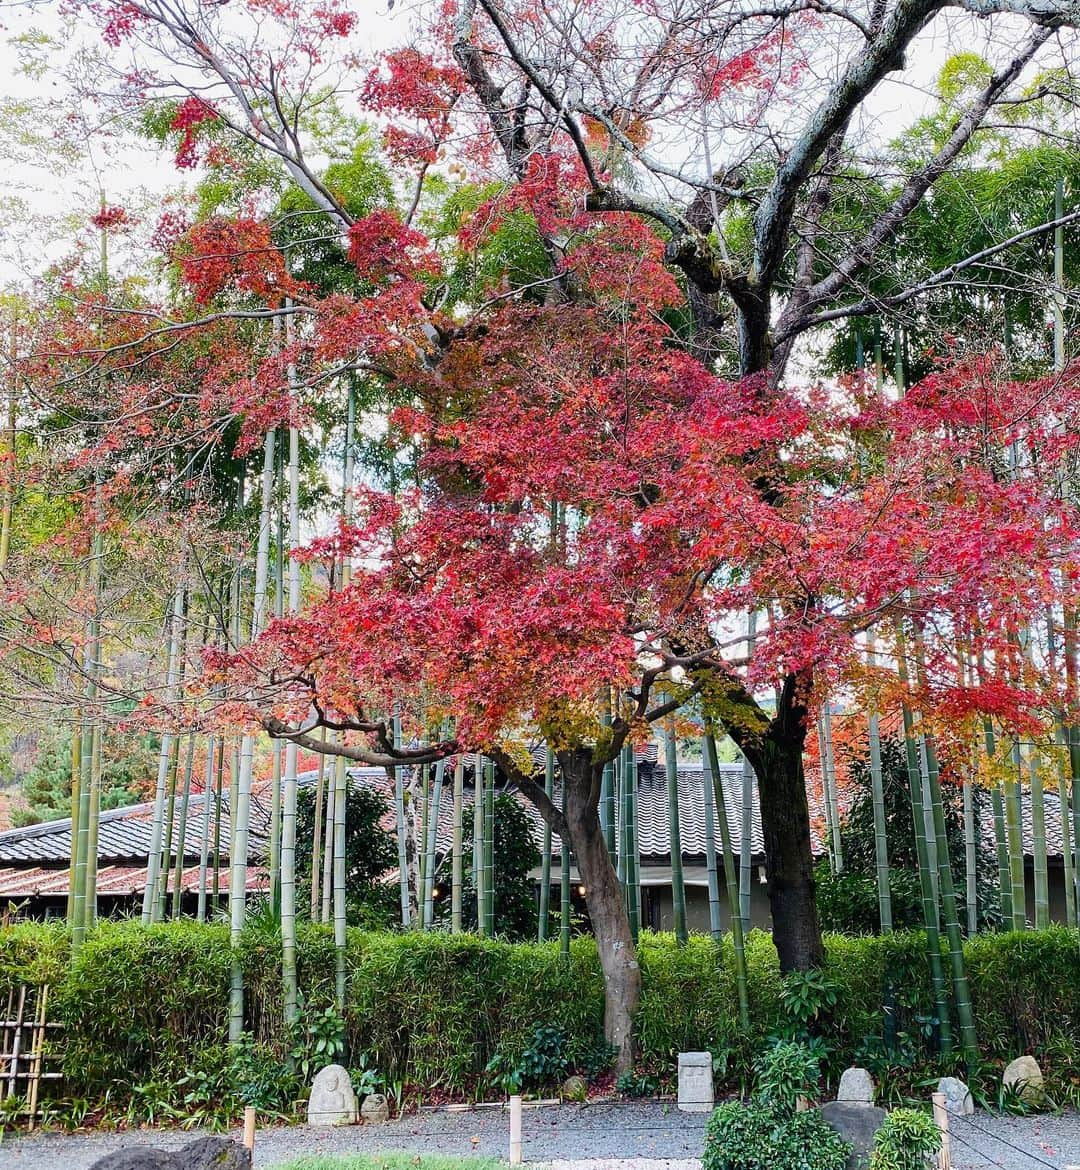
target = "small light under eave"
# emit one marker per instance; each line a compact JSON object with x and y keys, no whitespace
{"x":581,"y":891}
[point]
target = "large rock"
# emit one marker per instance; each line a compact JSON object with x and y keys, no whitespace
{"x":857,"y":1124}
{"x":213,"y":1153}
{"x":1025,"y":1076}
{"x":332,"y":1100}
{"x":375,"y":1110}
{"x":957,"y":1096}
{"x":856,"y":1087}
{"x":137,"y":1158}
{"x":575,"y":1089}
{"x":695,"y":1082}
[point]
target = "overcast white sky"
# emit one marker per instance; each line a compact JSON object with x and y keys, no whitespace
{"x":47,"y":193}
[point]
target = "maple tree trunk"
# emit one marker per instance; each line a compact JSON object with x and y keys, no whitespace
{"x":607,"y":908}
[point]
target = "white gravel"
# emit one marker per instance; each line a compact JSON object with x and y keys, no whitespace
{"x":609,"y":1136}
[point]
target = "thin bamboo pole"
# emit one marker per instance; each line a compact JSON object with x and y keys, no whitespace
{"x":877,"y":792}
{"x":178,"y":879}
{"x":240,"y":813}
{"x":290,"y":987}
{"x":489,"y":849}
{"x":633,"y":885}
{"x":1038,"y":833}
{"x":829,"y":766}
{"x":165,"y":867}
{"x":399,"y":824}
{"x":965,"y":1017}
{"x":432,"y":844}
{"x":1015,"y":836}
{"x":564,"y":887}
{"x":607,"y":785}
{"x":545,"y":853}
{"x":478,"y":872}
{"x":738,"y":943}
{"x":715,"y":927}
{"x":971,"y":884}
{"x":317,"y":832}
{"x":678,"y":886}
{"x":456,"y":851}
{"x":341,"y":788}
{"x":157,"y":822}
{"x":204,"y":829}
{"x":95,"y":822}
{"x":328,"y":850}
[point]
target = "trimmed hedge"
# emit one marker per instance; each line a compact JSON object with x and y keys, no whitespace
{"x":147,"y":1004}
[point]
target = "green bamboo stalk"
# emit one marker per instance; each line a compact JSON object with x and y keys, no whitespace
{"x":170,"y":834}
{"x":965,"y":1017}
{"x":178,"y":879}
{"x":678,"y":886}
{"x":317,"y":834}
{"x":877,"y":790}
{"x":971,"y":882}
{"x":240,"y":812}
{"x":607,"y":790}
{"x":829,"y":765}
{"x":91,"y":913}
{"x":715,"y":927}
{"x":478,"y":842}
{"x":1038,"y":833}
{"x":328,"y":855}
{"x":633,"y":882}
{"x":425,"y":813}
{"x":456,"y":852}
{"x":341,"y":788}
{"x":930,"y":909}
{"x":545,"y":852}
{"x":157,"y":820}
{"x":489,"y":849}
{"x":1066,"y":839}
{"x":76,"y":781}
{"x":1015,"y":836}
{"x":399,"y":825}
{"x":741,"y":981}
{"x":204,"y":830}
{"x":564,"y":887}
{"x":431,"y":845}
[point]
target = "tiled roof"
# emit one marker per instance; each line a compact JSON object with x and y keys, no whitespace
{"x":124,"y":835}
{"x":112,"y":881}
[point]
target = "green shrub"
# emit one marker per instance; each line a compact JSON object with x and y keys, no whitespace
{"x":141,"y":1006}
{"x":785,"y":1073}
{"x":756,"y":1136}
{"x":907,"y":1140}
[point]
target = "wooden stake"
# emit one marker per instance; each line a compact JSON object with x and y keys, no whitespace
{"x":941,"y":1117}
{"x":515,"y":1131}
{"x":249,"y":1128}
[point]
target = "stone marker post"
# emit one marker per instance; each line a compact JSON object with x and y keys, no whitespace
{"x":695,"y":1082}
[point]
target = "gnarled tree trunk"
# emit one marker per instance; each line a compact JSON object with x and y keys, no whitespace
{"x":604,"y":898}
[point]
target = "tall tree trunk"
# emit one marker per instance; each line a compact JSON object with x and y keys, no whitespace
{"x":777,"y":759}
{"x":607,"y":909}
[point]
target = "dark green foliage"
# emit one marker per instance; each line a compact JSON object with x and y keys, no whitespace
{"x":769,"y":1133}
{"x":756,"y":1137}
{"x":143,"y":1006}
{"x":848,"y":901}
{"x":636,"y":1083}
{"x":786,"y":1072}
{"x":907,"y":1140}
{"x":540,"y":1065}
{"x":515,"y":857}
{"x":369,"y":852}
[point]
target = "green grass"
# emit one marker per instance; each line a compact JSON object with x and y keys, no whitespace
{"x":389,"y":1161}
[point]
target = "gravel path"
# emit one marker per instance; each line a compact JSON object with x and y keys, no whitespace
{"x":616,"y":1136}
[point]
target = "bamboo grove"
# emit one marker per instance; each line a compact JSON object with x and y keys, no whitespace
{"x":490,"y":451}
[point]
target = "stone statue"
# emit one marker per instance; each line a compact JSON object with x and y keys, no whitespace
{"x":332,"y":1100}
